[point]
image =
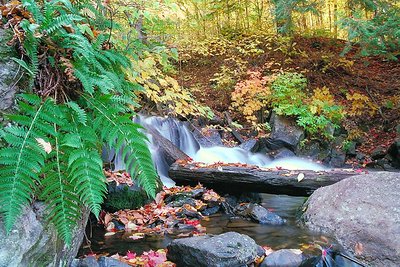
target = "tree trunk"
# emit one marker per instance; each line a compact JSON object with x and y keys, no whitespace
{"x":243,"y":177}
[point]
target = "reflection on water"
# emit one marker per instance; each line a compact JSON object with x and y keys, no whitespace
{"x":286,"y":236}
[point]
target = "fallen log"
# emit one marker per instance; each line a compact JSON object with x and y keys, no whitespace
{"x":247,"y":177}
{"x":171,"y":152}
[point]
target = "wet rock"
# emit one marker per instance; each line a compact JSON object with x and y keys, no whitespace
{"x":262,"y":215}
{"x":394,"y":153}
{"x":378,"y":153}
{"x":337,"y":158}
{"x":282,"y":153}
{"x":208,"y":137}
{"x":179,"y":202}
{"x":286,"y":131}
{"x":185,"y":227}
{"x":252,"y":197}
{"x":225,"y":250}
{"x":89,"y":261}
{"x":33,"y":240}
{"x":283,"y":258}
{"x":191,"y":213}
{"x":110,"y":262}
{"x":259,"y":214}
{"x":210,"y":211}
{"x":251,"y":145}
{"x":363,"y":213}
{"x":197,"y":193}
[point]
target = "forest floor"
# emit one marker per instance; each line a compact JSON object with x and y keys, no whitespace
{"x":320,"y":60}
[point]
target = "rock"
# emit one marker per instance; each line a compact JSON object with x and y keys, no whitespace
{"x":179,"y":202}
{"x":251,"y":145}
{"x":89,"y":261}
{"x":282,"y":153}
{"x":225,"y":250}
{"x":398,"y":130}
{"x":286,"y":131}
{"x":259,"y":214}
{"x":110,"y":262}
{"x":351,"y":149}
{"x":337,"y":158}
{"x":33,"y":241}
{"x":394,"y":153}
{"x":122,"y":196}
{"x":314,"y":150}
{"x":210,"y":211}
{"x":363,"y":213}
{"x":283,"y":258}
{"x":378,"y":153}
{"x":208,"y":137}
{"x":9,"y":73}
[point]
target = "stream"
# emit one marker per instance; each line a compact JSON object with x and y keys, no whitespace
{"x":290,"y":235}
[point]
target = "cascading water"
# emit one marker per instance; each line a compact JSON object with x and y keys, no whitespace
{"x":179,"y":134}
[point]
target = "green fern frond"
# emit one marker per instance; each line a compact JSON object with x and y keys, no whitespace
{"x":62,"y":201}
{"x":116,"y":129}
{"x":80,"y":112}
{"x":22,"y":160}
{"x":60,"y":21}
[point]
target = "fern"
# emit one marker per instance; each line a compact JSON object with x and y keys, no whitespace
{"x":120,"y":133}
{"x":54,"y":144}
{"x":23,"y":160}
{"x":63,"y":203}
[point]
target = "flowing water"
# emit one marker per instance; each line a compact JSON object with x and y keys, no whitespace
{"x":289,"y":235}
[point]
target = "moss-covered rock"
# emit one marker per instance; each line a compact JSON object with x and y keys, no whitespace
{"x":124,"y":197}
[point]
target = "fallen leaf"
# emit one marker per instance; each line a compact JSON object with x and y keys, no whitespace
{"x":137,"y":236}
{"x":109,"y":234}
{"x":358,"y":248}
{"x":300,"y":177}
{"x":45,"y":145}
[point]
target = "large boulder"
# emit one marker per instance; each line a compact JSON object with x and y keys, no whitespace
{"x":8,"y":71}
{"x":363,"y":213}
{"x":226,"y":250}
{"x":33,"y":241}
{"x":286,"y":132}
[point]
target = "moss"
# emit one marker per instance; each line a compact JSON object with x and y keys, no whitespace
{"x":125,"y":199}
{"x":6,"y":51}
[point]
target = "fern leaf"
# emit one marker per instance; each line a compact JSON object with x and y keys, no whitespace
{"x":20,"y":165}
{"x":113,"y":127}
{"x":63,"y":204}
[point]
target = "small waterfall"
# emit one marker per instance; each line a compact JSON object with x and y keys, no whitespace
{"x":179,"y":134}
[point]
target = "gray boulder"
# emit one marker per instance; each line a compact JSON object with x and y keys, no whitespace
{"x":283,"y":258}
{"x":286,"y":131}
{"x":363,"y":213}
{"x":226,"y":250}
{"x":33,"y":241}
{"x":8,"y":71}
